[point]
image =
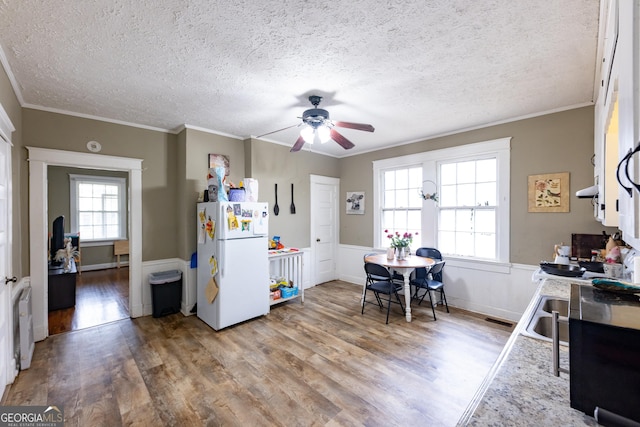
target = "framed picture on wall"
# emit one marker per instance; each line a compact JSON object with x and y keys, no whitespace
{"x":355,"y":202}
{"x":549,"y":192}
{"x":219,"y":160}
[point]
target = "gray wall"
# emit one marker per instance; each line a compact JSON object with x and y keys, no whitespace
{"x":159,"y":180}
{"x":559,"y":142}
{"x":274,"y":164}
{"x":175,"y":169}
{"x":20,"y":225}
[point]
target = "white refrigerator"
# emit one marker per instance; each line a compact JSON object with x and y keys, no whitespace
{"x":233,"y":263}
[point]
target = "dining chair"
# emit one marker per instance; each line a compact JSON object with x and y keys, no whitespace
{"x":380,"y":283}
{"x":429,"y":283}
{"x":432,"y":253}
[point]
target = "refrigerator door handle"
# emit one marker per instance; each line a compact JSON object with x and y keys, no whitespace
{"x":221,"y":258}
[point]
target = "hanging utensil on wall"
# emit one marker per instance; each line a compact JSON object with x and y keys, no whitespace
{"x":293,"y":206}
{"x":276,"y":208}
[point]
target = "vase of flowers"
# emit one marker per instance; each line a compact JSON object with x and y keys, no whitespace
{"x":66,"y":254}
{"x":401,"y":243}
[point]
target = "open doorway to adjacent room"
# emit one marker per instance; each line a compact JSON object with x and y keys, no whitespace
{"x":91,"y":205}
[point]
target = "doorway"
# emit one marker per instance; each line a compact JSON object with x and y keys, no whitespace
{"x":101,"y":290}
{"x":39,"y":160}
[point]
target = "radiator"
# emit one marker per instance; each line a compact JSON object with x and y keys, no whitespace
{"x":26,"y":328}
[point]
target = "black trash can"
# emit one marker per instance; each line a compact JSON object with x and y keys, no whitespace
{"x":166,"y":292}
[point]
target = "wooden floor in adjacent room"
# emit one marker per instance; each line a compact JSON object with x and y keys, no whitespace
{"x":102,"y":296}
{"x":321,"y":363}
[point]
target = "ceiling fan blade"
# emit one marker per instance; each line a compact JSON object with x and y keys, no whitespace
{"x":357,"y":126}
{"x":288,"y":127}
{"x":298,"y":145}
{"x":344,"y":142}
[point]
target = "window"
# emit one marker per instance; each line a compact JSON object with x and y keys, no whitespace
{"x":98,"y":207}
{"x":467,"y":208}
{"x":470,"y":219}
{"x":401,"y":209}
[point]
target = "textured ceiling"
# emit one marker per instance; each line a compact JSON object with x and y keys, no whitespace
{"x":412,"y":69}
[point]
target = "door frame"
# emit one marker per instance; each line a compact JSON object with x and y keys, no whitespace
{"x":39,"y":160}
{"x":313,"y":201}
{"x":6,"y":303}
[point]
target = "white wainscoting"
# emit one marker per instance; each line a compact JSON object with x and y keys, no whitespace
{"x":497,"y":290}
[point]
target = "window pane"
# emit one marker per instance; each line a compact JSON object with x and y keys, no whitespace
{"x":447,"y":220}
{"x":485,"y":245}
{"x":402,"y":199}
{"x":402,"y":178}
{"x":400,"y":223}
{"x":389,"y":180}
{"x":448,"y":174}
{"x":448,"y":195}
{"x":401,"y":204}
{"x":486,"y":170}
{"x":486,"y":194}
{"x":464,"y":220}
{"x":468,"y":201}
{"x":466,"y":172}
{"x":485,"y":221}
{"x":466,"y":195}
{"x":464,"y":244}
{"x":389,"y":199}
{"x":415,"y":177}
{"x":387,"y":220}
{"x":447,"y":242}
{"x":414,"y":221}
{"x":100,"y":207}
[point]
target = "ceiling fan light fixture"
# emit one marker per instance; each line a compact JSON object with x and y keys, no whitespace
{"x":324,"y":134}
{"x":307,"y":133}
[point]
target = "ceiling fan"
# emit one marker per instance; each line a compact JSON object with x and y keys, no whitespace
{"x":318,"y":127}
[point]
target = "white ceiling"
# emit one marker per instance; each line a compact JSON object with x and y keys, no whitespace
{"x":412,"y":68}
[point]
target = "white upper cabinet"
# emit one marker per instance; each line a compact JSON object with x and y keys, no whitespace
{"x":617,"y":118}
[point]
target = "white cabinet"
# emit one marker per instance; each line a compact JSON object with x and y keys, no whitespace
{"x":606,"y":120}
{"x":617,"y":118}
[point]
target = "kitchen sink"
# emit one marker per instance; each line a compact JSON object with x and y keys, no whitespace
{"x":550,"y":304}
{"x":540,"y":324}
{"x":543,"y":327}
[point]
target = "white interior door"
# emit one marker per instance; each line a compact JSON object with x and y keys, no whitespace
{"x":5,"y":264}
{"x":324,"y":228}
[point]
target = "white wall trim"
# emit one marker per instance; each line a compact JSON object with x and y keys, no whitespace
{"x":429,"y":160}
{"x":39,"y":160}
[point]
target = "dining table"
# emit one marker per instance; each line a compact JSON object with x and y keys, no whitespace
{"x":405,"y":267}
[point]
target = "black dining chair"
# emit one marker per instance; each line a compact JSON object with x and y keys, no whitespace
{"x":379,"y":282}
{"x":432,"y":253}
{"x":429,"y":283}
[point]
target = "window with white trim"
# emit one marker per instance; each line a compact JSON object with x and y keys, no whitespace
{"x":467,"y":208}
{"x":98,"y":207}
{"x":401,"y":209}
{"x":470,"y":218}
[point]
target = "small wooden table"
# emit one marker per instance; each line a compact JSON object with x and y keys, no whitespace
{"x":405,"y":267}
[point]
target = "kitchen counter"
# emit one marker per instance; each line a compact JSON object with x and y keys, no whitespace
{"x":521,"y":389}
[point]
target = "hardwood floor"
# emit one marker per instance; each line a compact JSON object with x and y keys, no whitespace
{"x":102,"y":296}
{"x":317,"y":364}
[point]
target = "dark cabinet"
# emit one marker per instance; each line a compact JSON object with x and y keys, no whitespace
{"x":62,"y":287}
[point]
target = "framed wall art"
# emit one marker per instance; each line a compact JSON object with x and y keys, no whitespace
{"x":549,"y":192}
{"x":216,"y":160}
{"x":355,"y":202}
